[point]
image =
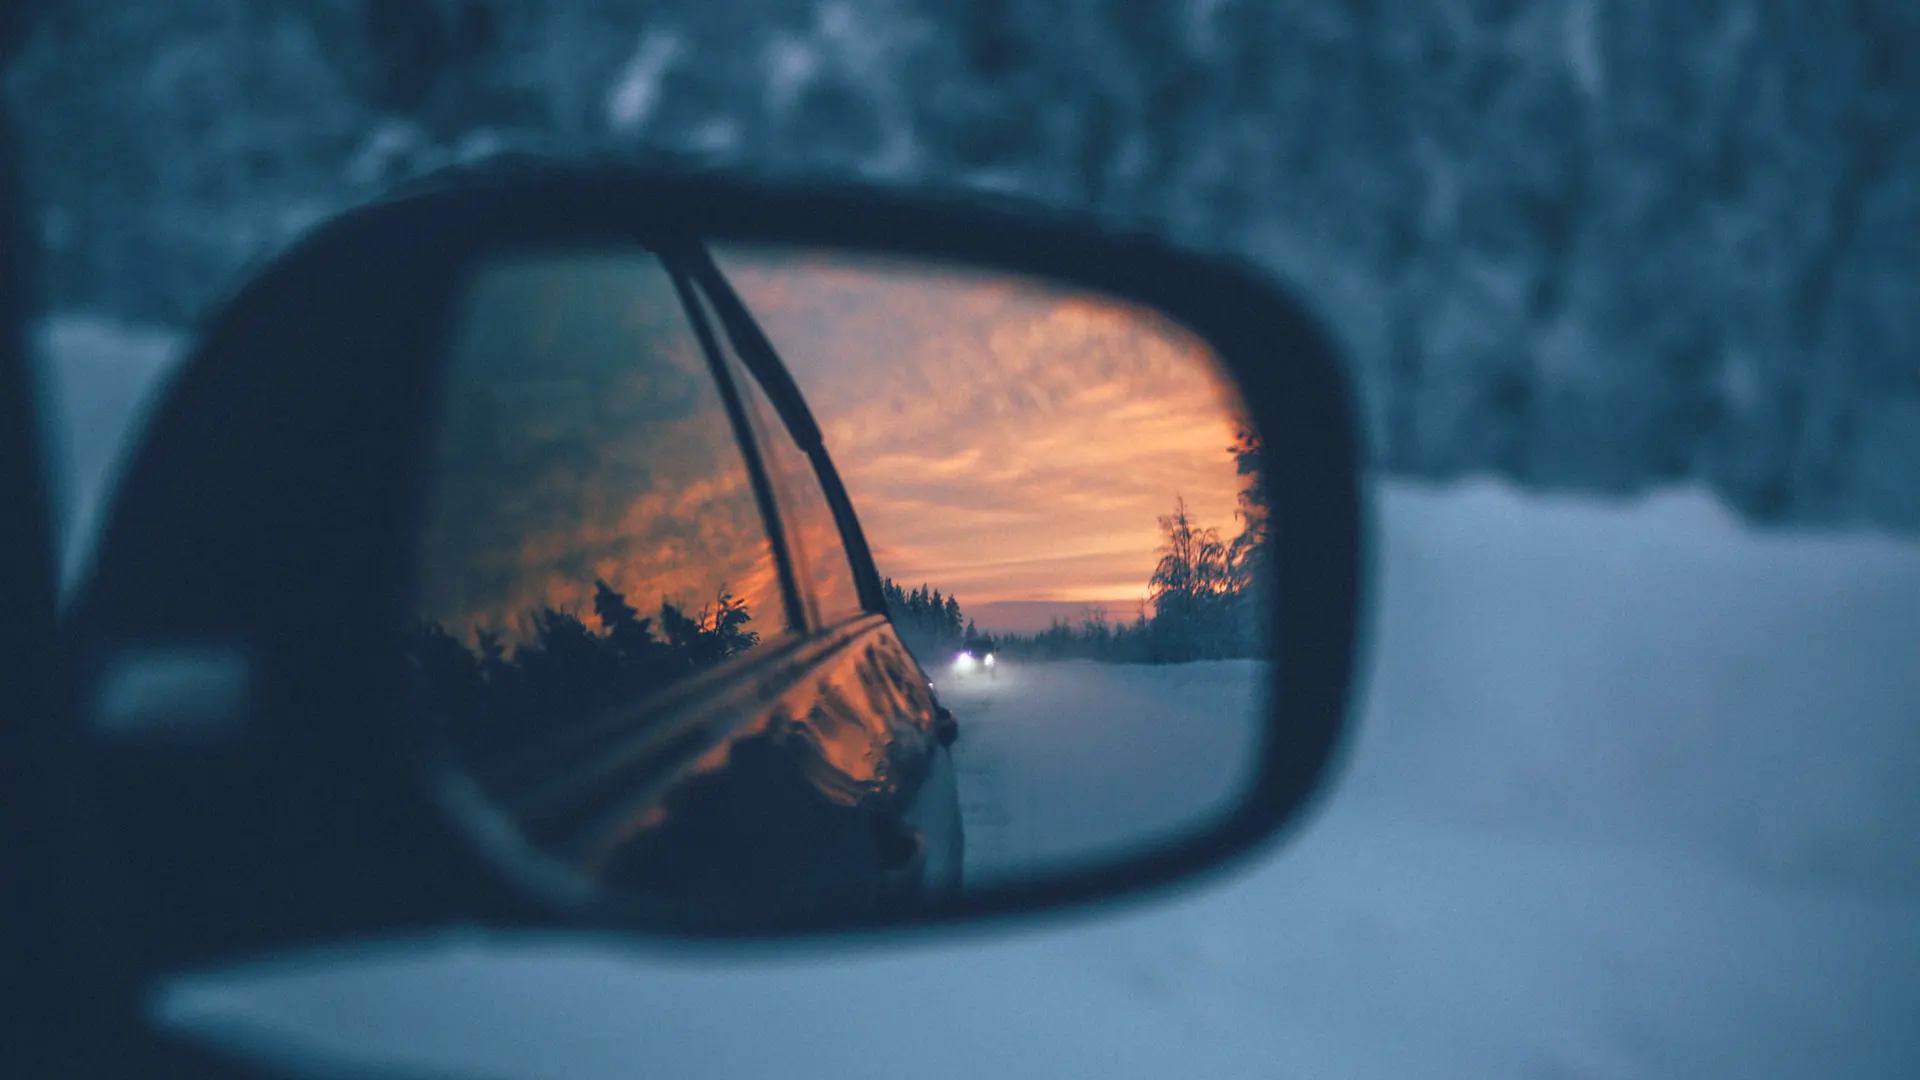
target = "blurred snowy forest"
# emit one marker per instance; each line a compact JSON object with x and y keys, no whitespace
{"x":1584,"y":245}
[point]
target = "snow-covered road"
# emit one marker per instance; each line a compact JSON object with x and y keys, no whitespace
{"x":1062,"y":763}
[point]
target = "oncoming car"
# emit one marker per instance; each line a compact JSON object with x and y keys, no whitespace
{"x":977,"y":654}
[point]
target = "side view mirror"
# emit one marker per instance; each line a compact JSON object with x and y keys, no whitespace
{"x":587,"y":546}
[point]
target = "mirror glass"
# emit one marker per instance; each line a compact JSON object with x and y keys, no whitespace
{"x":762,"y":585}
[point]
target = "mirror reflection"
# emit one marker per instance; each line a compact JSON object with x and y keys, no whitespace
{"x":762,"y":585}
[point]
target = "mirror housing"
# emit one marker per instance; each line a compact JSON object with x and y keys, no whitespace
{"x":266,"y":789}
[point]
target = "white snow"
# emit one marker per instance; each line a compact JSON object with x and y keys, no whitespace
{"x":1063,"y":764}
{"x":1633,"y":797}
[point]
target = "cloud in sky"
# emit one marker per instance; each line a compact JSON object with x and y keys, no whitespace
{"x":1005,"y":439}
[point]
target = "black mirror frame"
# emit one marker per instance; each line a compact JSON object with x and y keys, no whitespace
{"x":326,"y":437}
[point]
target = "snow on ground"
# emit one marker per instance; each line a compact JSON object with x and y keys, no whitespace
{"x":1061,"y":764}
{"x":1633,"y":795}
{"x":1649,"y":672}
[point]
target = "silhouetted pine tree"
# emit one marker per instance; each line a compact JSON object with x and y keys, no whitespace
{"x":930,"y":623}
{"x":563,"y":671}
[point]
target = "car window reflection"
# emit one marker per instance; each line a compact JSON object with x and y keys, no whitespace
{"x":820,"y":558}
{"x":590,"y":532}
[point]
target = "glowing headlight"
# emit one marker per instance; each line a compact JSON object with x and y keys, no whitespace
{"x":989,"y":659}
{"x":964,"y":660}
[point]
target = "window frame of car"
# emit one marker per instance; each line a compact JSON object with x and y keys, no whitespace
{"x":702,"y":703}
{"x":711,"y":298}
{"x":757,"y":354}
{"x":711,"y":308}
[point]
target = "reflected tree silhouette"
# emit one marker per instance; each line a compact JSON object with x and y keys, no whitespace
{"x":780,"y":830}
{"x":1206,"y":592}
{"x":566,"y":670}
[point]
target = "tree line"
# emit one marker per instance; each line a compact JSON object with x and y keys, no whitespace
{"x":565,"y":669}
{"x":929,"y":624}
{"x":1204,"y":593}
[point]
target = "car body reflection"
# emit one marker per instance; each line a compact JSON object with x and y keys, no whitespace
{"x":804,"y":776}
{"x":837,"y":795}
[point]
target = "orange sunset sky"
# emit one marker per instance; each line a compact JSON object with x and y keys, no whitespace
{"x":1004,"y":440}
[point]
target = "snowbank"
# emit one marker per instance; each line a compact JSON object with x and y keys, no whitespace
{"x":1649,"y":671}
